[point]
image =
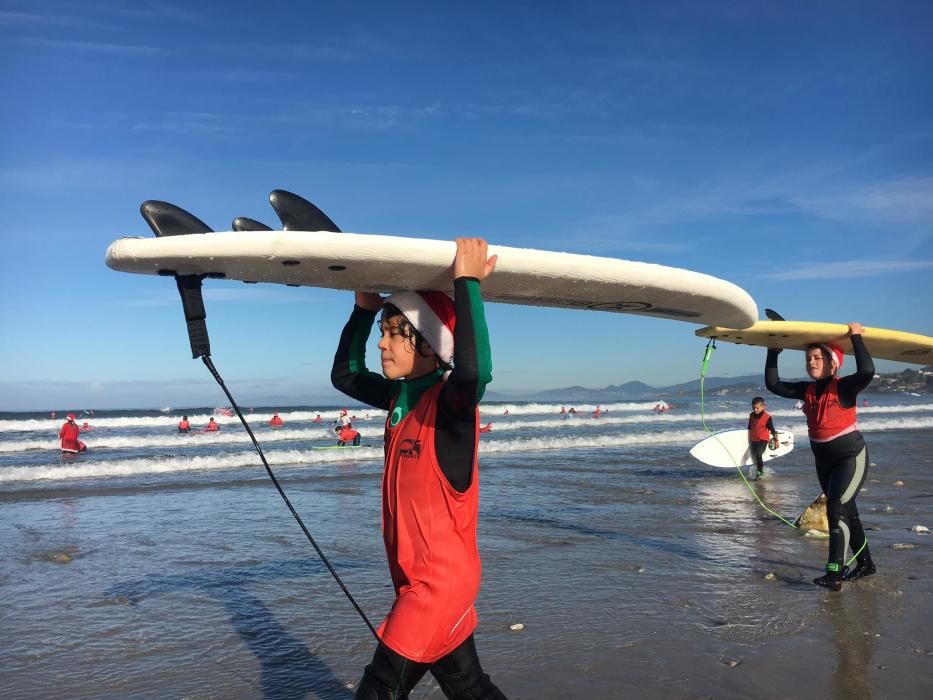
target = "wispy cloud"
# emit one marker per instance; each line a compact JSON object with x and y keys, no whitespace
{"x":94,"y":47}
{"x":907,"y":199}
{"x":850,"y":268}
{"x":156,"y":11}
{"x":40,"y":21}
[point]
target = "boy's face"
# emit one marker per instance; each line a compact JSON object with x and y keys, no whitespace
{"x":399,"y":358}
{"x":758,"y":407}
{"x":817,"y":365}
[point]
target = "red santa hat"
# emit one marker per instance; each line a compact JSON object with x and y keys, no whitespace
{"x":433,"y":315}
{"x":70,"y":416}
{"x":836,"y":355}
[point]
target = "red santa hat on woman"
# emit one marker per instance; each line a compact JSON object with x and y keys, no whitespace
{"x":433,"y":315}
{"x":835,"y":354}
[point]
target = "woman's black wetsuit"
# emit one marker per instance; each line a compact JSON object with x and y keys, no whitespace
{"x":841,"y":463}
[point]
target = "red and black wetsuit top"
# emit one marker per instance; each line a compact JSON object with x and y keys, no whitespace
{"x":827,"y":418}
{"x":761,"y":426}
{"x":828,"y":403}
{"x":431,"y":479}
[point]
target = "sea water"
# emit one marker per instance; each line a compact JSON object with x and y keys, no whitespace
{"x":166,"y":565}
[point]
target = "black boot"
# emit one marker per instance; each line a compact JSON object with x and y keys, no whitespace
{"x":831,"y":580}
{"x":863,"y":567}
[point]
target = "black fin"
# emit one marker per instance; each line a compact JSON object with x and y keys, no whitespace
{"x":298,"y":214}
{"x":166,"y":219}
{"x":774,"y":315}
{"x":242,"y":223}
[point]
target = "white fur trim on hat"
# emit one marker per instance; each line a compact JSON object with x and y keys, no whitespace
{"x":836,"y":356}
{"x":433,"y":315}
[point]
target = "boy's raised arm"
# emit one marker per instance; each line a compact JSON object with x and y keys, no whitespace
{"x":349,"y":374}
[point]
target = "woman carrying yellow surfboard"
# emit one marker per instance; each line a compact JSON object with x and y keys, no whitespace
{"x":838,"y":447}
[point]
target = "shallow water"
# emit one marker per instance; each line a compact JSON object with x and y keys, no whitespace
{"x":159,"y":566}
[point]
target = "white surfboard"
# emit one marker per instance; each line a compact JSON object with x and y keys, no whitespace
{"x":729,"y":449}
{"x":390,"y":263}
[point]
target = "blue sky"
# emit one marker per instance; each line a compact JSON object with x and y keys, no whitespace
{"x":785,"y":147}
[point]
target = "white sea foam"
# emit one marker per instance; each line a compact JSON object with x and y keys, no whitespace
{"x":365,"y":416}
{"x":171,"y":465}
{"x":88,"y":467}
{"x":102,"y":439}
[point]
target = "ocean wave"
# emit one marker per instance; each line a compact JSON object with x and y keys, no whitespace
{"x":86,"y":466}
{"x":233,"y":434}
{"x":488,"y":413}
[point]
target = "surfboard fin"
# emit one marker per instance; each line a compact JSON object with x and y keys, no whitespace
{"x":243,"y":223}
{"x":774,"y":315}
{"x":298,"y":214}
{"x":166,"y":219}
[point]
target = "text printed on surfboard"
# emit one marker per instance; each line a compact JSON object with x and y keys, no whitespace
{"x":638,"y":307}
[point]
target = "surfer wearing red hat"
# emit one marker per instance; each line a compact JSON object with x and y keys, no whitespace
{"x":69,"y":436}
{"x":436,"y":364}
{"x":838,"y":447}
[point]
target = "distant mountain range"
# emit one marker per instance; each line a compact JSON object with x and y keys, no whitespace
{"x":909,"y":380}
{"x":634,"y":390}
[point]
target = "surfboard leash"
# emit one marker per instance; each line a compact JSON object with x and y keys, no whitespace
{"x":707,"y":356}
{"x":166,"y":219}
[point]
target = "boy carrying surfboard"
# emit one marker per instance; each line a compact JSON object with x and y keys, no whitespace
{"x":436,"y":364}
{"x":838,"y":447}
{"x":760,"y":432}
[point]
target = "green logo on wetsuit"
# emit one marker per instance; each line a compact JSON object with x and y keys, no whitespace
{"x":396,"y":416}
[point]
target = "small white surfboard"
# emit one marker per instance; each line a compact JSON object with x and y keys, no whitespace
{"x":729,"y":449}
{"x":390,"y":263}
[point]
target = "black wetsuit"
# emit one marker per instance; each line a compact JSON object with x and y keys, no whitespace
{"x":841,"y":463}
{"x":458,"y":673}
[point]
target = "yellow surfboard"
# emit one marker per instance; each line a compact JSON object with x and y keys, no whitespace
{"x":882,"y":343}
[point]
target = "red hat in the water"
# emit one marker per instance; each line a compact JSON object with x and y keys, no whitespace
{"x":836,"y":355}
{"x":70,"y":416}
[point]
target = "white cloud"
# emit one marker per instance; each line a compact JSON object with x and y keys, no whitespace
{"x":850,"y":268}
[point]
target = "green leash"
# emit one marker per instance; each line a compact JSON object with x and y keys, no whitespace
{"x":707,"y":355}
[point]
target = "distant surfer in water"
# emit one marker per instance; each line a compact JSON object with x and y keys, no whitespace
{"x":838,"y":447}
{"x":486,"y":428}
{"x":436,"y":361}
{"x":760,"y":431}
{"x":69,"y":436}
{"x":317,"y":418}
{"x":276,"y":421}
{"x":347,"y":436}
{"x":212,"y":426}
{"x":183,"y":425}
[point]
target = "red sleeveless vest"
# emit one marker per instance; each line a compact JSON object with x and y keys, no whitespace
{"x":826,"y":419}
{"x":759,"y":426}
{"x":429,"y":529}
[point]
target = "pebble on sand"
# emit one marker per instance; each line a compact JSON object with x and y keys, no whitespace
{"x":770,"y":577}
{"x":898,"y":483}
{"x":518,"y":626}
{"x":903,"y":545}
{"x":920,"y":528}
